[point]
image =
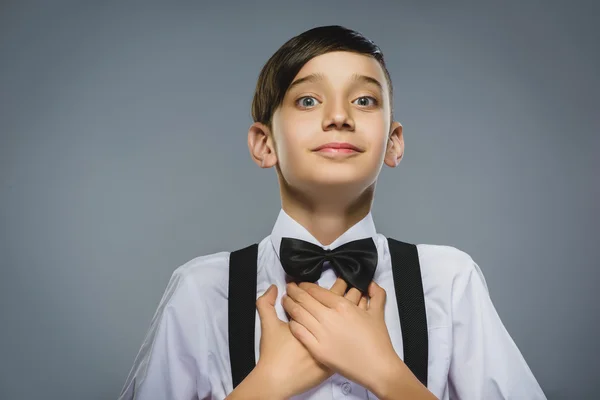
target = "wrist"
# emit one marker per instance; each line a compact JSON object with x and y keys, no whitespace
{"x":383,"y":378}
{"x":259,"y":384}
{"x":398,"y":382}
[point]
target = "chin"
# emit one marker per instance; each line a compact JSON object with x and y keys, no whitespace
{"x":339,"y":179}
{"x":333,"y":176}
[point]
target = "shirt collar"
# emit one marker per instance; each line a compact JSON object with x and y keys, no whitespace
{"x":286,"y":226}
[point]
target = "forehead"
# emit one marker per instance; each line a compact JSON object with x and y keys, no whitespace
{"x":340,"y":66}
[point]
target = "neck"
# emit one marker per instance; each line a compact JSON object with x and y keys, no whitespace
{"x":327,"y":215}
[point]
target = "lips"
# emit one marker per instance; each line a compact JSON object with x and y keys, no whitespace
{"x":338,"y":146}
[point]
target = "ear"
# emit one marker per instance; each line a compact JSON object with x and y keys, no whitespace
{"x":395,"y":146}
{"x":260,"y":144}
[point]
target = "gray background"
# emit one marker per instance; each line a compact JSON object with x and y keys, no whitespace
{"x":123,"y":155}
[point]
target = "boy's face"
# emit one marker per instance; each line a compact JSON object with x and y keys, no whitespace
{"x":338,"y":99}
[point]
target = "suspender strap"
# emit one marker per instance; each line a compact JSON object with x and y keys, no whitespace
{"x":242,"y":311}
{"x":411,"y":306}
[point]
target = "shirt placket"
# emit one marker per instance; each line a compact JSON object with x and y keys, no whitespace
{"x":343,"y":388}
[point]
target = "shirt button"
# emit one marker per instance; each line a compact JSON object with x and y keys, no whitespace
{"x":346,"y":388}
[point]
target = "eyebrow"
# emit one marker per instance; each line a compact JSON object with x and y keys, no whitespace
{"x":312,"y":78}
{"x":318,"y":77}
{"x":367,"y":79}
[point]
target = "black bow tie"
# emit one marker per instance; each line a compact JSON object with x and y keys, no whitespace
{"x":355,"y":261}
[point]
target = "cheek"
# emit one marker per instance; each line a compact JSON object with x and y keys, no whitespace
{"x":294,"y":140}
{"x":378,"y":137}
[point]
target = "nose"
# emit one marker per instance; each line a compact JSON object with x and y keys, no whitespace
{"x":337,"y":116}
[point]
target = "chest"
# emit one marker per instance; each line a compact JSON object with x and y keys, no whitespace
{"x":439,"y":333}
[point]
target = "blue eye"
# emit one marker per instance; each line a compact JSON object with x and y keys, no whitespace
{"x":362,"y":102}
{"x":307,"y":101}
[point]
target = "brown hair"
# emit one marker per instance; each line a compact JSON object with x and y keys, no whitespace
{"x":279,"y":71}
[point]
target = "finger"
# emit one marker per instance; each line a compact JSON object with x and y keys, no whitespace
{"x":339,"y":287}
{"x":321,"y":295}
{"x":362,"y":304}
{"x":299,"y":314}
{"x":307,"y":301}
{"x":305,"y":337}
{"x":353,"y":295}
{"x":377,"y":297}
{"x":265,"y":306}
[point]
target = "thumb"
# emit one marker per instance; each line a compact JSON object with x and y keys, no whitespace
{"x":266,"y":306}
{"x":377,"y":297}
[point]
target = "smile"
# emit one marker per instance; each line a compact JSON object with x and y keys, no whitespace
{"x":337,"y":148}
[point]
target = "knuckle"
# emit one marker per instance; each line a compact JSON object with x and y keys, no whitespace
{"x":342,"y":306}
{"x":302,"y":297}
{"x":294,"y":310}
{"x":296,"y":330}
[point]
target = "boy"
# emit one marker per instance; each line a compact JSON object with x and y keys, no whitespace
{"x":330,"y":306}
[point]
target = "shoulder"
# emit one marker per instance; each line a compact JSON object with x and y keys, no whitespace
{"x":184,"y":294}
{"x":203,"y":271}
{"x":207,"y":275}
{"x":445,"y":259}
{"x":438,"y":259}
{"x":444,"y":266}
{"x":448,"y":265}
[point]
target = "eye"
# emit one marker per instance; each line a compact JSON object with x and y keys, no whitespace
{"x":364,"y":101}
{"x":307,"y":102}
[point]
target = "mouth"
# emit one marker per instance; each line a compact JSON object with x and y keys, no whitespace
{"x":338,"y":148}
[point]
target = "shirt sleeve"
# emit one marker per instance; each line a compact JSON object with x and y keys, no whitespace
{"x":166,"y":366}
{"x":485,"y":363}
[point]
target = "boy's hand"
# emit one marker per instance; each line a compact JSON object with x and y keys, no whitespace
{"x":290,"y":368}
{"x":349,"y":339}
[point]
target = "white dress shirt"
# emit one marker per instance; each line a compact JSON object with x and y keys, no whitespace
{"x":185,"y":354}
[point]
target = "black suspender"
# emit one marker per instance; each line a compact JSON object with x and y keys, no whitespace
{"x":242,"y":311}
{"x":409,"y":295}
{"x":411,"y":306}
